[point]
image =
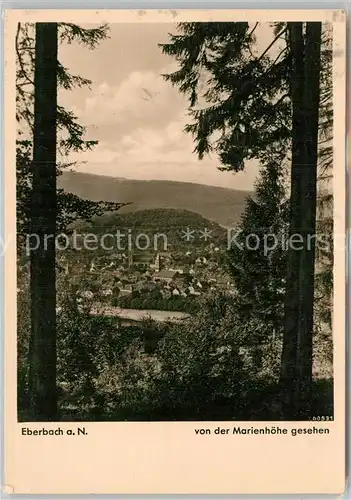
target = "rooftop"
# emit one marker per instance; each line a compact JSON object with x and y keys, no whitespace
{"x":165,"y":274}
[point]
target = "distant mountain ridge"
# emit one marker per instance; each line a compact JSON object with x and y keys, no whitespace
{"x":221,"y":205}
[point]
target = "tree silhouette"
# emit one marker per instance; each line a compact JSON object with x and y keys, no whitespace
{"x":42,"y":350}
{"x":259,"y":105}
{"x":45,"y":129}
{"x":70,"y":132}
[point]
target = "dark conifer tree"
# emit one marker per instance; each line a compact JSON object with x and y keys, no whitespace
{"x":308,"y":201}
{"x":257,"y":260}
{"x":256,"y":105}
{"x":46,"y":129}
{"x":71,"y":134}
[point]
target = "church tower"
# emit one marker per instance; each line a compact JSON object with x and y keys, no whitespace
{"x":130,"y":259}
{"x":157,"y":263}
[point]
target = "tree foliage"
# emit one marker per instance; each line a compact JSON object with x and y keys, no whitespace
{"x":248,"y":108}
{"x":238,"y":98}
{"x":71,"y":134}
{"x":324,"y":276}
{"x":257,"y":258}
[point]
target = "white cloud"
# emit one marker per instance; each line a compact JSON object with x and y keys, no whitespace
{"x":141,"y":131}
{"x":161,"y":154}
{"x":143,"y":96}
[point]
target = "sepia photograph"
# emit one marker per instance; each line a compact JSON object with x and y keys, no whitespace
{"x":174,"y":247}
{"x":174,"y":207}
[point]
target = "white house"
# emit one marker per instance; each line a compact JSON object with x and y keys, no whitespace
{"x":86,"y":294}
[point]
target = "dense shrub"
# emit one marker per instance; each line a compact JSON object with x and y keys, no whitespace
{"x":209,"y":366}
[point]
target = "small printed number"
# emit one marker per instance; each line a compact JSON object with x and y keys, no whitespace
{"x":322,"y":419}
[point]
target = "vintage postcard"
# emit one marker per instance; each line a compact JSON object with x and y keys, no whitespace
{"x":175,"y":251}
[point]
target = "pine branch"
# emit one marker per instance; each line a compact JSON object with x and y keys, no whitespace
{"x":271,"y":44}
{"x":19,"y":58}
{"x":253,"y":29}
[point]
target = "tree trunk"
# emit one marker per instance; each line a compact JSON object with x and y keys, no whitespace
{"x":42,"y":356}
{"x":291,"y":312}
{"x":308,"y":209}
{"x":296,"y":372}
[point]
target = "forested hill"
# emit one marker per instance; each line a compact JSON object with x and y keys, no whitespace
{"x":220,"y":205}
{"x":173,"y":223}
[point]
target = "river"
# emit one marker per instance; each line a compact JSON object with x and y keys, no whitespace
{"x":138,"y":314}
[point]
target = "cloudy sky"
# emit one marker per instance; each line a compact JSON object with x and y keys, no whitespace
{"x":137,"y":117}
